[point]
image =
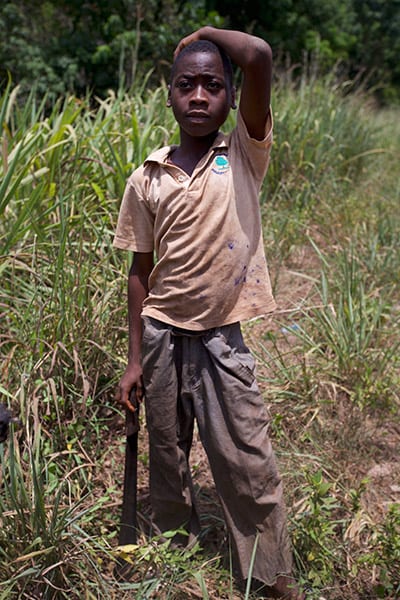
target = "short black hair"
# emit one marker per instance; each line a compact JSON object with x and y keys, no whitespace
{"x":210,"y":48}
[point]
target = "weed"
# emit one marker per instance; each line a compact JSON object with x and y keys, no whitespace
{"x":331,"y":197}
{"x":314,"y":530}
{"x":351,"y":332}
{"x":45,"y":515}
{"x":384,"y":557}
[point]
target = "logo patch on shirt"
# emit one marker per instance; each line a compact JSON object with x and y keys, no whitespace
{"x":220,"y":165}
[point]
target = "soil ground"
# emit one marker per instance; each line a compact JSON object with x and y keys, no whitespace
{"x":361,"y":451}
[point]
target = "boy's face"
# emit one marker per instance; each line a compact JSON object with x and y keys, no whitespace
{"x":199,"y":94}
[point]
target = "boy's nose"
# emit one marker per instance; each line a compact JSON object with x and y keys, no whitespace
{"x":199,"y":94}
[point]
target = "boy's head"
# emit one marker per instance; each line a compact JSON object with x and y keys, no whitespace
{"x":211,"y":48}
{"x":201,"y":91}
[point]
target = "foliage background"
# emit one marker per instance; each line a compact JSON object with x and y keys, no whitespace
{"x":80,"y":46}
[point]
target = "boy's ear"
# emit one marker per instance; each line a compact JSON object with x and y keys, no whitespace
{"x":233,"y":97}
{"x":169,"y":96}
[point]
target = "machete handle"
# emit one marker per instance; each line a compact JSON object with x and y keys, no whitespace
{"x":132,"y":418}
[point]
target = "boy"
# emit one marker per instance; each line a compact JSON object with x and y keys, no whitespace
{"x":196,"y":205}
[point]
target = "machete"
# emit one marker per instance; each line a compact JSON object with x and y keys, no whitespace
{"x":128,"y":526}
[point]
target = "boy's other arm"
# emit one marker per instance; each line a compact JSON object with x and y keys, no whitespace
{"x":254,"y":57}
{"x":138,"y":289}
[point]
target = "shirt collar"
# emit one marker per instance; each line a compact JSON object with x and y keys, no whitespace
{"x":160,"y":156}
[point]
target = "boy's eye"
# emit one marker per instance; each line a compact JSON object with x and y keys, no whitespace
{"x":184,"y":83}
{"x":214,"y":85}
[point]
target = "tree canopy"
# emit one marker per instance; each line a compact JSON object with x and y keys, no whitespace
{"x":77,"y":46}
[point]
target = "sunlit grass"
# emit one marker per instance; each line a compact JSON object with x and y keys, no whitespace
{"x":331,"y":219}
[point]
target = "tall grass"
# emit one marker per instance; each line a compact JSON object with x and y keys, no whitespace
{"x":330,"y":213}
{"x":63,"y":177}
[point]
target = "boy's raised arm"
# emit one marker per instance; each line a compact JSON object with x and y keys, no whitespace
{"x":254,"y":57}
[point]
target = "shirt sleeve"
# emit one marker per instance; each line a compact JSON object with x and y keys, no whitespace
{"x":256,"y":153}
{"x":135,"y":220}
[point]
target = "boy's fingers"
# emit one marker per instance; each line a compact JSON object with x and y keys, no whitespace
{"x":192,"y":37}
{"x":130,"y":406}
{"x":184,"y":42}
{"x":123,"y":398}
{"x":178,"y":49}
{"x":139,"y":393}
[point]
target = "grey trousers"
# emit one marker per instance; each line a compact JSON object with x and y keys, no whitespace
{"x":209,"y":377}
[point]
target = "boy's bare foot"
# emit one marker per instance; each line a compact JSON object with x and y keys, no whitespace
{"x":285,"y":588}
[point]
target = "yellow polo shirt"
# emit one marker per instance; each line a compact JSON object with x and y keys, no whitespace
{"x":206,"y":232}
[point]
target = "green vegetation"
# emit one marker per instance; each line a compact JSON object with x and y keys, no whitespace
{"x":328,"y":359}
{"x":61,"y":46}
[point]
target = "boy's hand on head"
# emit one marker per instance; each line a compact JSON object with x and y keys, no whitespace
{"x":200,"y":34}
{"x":132,"y":378}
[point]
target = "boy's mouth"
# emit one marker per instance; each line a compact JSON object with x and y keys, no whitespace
{"x":197,"y":114}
